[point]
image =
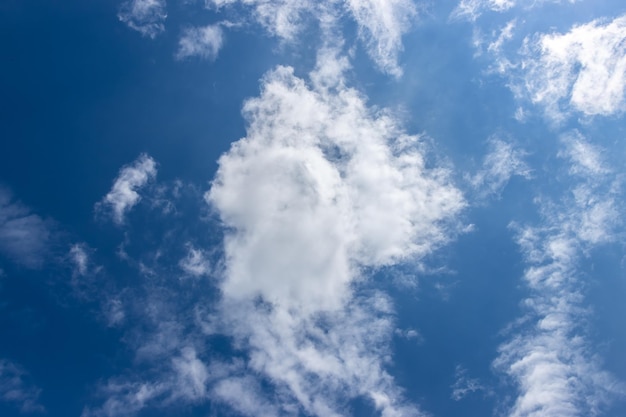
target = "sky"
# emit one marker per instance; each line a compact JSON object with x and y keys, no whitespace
{"x":395,"y":208}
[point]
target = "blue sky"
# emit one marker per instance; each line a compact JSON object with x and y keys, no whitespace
{"x":312,"y":208}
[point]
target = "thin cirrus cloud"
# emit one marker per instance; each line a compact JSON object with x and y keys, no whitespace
{"x":283,"y":19}
{"x":501,"y":163}
{"x":465,"y":386}
{"x":550,"y":357}
{"x":16,"y":389}
{"x":145,"y":16}
{"x":381,"y":24}
{"x":124,"y":193}
{"x":472,"y":9}
{"x":196,"y":263}
{"x":320,"y":188}
{"x":24,"y":236}
{"x":202,"y":42}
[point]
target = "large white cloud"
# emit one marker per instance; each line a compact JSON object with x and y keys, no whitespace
{"x":322,"y":187}
{"x":328,"y":184}
{"x":582,"y":70}
{"x":550,"y":358}
{"x":123,"y":195}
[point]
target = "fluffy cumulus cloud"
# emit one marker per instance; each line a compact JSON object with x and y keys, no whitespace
{"x":583,"y":70}
{"x":145,"y":16}
{"x":24,"y":236}
{"x":202,"y":42}
{"x":124,"y":193}
{"x":551,"y":358}
{"x":321,"y":188}
{"x":331,"y":185}
{"x":16,"y":389}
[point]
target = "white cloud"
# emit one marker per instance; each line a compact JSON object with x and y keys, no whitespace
{"x":80,"y":258}
{"x":410,"y":334}
{"x":123,"y":195}
{"x":15,"y":388}
{"x":585,"y":158}
{"x":113,"y":311}
{"x":381,"y":23}
{"x":203,"y":42}
{"x":243,"y":395}
{"x":321,"y":190}
{"x":464,"y":385}
{"x":321,"y":187}
{"x":583,"y":70}
{"x":329,"y":185}
{"x":505,"y":35}
{"x":473,"y":9}
{"x":551,"y":359}
{"x":125,"y":398}
{"x":24,"y":237}
{"x":145,"y":16}
{"x":282,"y":18}
{"x":195,"y":263}
{"x":501,"y":163}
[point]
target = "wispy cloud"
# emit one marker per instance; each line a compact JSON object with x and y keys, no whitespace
{"x":473,"y":9}
{"x":284,"y":18}
{"x":196,"y":262}
{"x":145,"y":16}
{"x":123,"y":195}
{"x":80,"y":258}
{"x":382,"y":24}
{"x":464,"y":385}
{"x":17,"y":390}
{"x":550,"y":358}
{"x":24,"y":236}
{"x":501,"y":163}
{"x":202,"y":42}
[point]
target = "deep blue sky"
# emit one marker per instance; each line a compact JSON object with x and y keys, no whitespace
{"x":243,"y":228}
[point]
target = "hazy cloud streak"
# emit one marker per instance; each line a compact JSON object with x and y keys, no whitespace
{"x":551,"y":359}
